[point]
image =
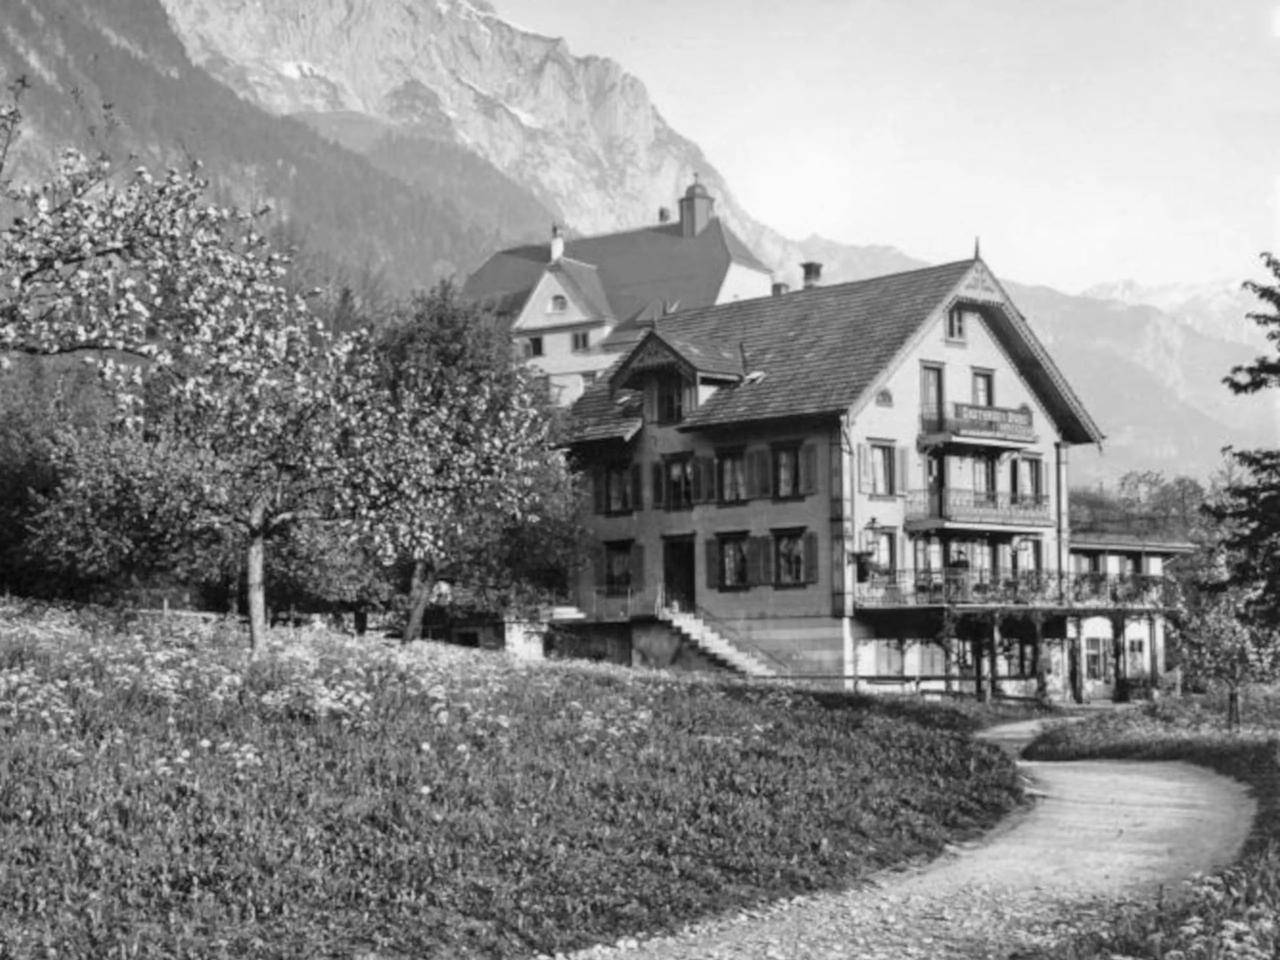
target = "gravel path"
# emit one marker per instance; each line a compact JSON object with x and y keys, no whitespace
{"x":1098,"y":831}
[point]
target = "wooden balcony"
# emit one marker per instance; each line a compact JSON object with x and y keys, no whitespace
{"x":970,"y":422}
{"x":927,"y":509}
{"x":1050,"y":591}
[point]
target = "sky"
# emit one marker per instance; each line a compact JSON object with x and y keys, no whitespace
{"x":1082,"y":140}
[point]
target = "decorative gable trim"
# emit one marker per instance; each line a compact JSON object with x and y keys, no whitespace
{"x":651,"y":353}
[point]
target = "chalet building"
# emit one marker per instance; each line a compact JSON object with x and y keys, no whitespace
{"x":574,"y":304}
{"x":865,"y":481}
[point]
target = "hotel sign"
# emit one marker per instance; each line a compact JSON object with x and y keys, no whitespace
{"x":992,"y":421}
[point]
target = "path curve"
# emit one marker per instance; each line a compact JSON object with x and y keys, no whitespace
{"x":1098,"y":831}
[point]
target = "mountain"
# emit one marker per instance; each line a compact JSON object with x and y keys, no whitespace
{"x":1216,"y":308}
{"x":408,"y":139}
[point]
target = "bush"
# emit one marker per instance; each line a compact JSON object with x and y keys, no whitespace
{"x":159,"y":796}
{"x":1231,"y":914}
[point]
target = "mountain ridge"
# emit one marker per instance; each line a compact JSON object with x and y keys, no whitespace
{"x":415,"y":138}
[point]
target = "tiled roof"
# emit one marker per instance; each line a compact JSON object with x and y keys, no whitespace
{"x":603,"y":414}
{"x":818,"y":350}
{"x":636,"y":268}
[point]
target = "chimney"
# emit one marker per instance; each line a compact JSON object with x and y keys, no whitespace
{"x":812,"y":273}
{"x":557,"y":243}
{"x":779,"y":288}
{"x":664,"y":214}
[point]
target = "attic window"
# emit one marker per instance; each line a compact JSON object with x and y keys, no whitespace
{"x":959,"y":319}
{"x":884,"y":399}
{"x":755,"y":376}
{"x":559,"y":304}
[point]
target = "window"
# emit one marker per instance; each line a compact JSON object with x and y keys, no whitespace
{"x":679,"y":483}
{"x":786,"y":472}
{"x":882,"y":473}
{"x":933,"y":660}
{"x":983,"y":388}
{"x":581,"y":341}
{"x":931,"y":391}
{"x":620,"y":482}
{"x":1035,"y":478}
{"x":557,"y":304}
{"x":788,"y":552}
{"x":670,"y":400}
{"x":795,"y":557}
{"x":533,"y":347}
{"x":733,"y":561}
{"x":732,"y":469}
{"x":884,"y":550}
{"x":956,"y":320}
{"x":889,"y":659}
{"x":984,"y":479}
{"x":589,"y":378}
{"x":618,"y":567}
{"x":1093,"y":660}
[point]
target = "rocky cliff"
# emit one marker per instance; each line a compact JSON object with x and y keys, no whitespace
{"x":580,"y":132}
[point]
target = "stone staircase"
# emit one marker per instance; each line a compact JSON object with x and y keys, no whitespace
{"x":710,"y":641}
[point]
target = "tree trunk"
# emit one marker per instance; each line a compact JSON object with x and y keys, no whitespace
{"x":361,"y":618}
{"x":1233,"y":707}
{"x":419,"y":594}
{"x":256,"y":589}
{"x":976,"y":646}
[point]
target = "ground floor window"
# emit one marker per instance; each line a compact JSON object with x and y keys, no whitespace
{"x":889,"y":658}
{"x":733,"y":562}
{"x":933,"y":660}
{"x":620,"y":559}
{"x":1094,"y":661}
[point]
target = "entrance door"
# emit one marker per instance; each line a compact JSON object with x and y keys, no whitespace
{"x":678,"y":573}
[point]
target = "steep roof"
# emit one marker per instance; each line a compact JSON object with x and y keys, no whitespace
{"x":817,"y":351}
{"x":635,"y":268}
{"x":583,"y":280}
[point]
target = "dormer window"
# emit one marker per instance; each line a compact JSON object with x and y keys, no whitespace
{"x":559,"y":303}
{"x":670,"y":400}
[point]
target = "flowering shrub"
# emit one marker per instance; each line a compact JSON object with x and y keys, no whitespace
{"x":162,"y":796}
{"x":1232,"y":914}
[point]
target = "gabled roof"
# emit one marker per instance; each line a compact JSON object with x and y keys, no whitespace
{"x":636,"y":268}
{"x":582,"y":280}
{"x":692,"y":356}
{"x":818,"y":351}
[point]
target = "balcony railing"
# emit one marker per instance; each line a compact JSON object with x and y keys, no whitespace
{"x":983,"y":588}
{"x":971,"y":420}
{"x":977,"y":506}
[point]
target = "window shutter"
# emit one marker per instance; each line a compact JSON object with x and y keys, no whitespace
{"x":598,"y":567}
{"x":750,"y":467}
{"x":764,"y":470}
{"x":864,"y":468}
{"x":637,"y":488}
{"x":810,"y":557}
{"x":694,"y":467}
{"x":900,"y":471}
{"x":709,"y":473}
{"x":766,"y":560}
{"x":637,"y":566}
{"x":713,"y":563}
{"x":808,"y":468}
{"x":658,"y":474}
{"x":755,"y":563}
{"x":717,"y":480}
{"x":599,"y":488}
{"x":650,"y":403}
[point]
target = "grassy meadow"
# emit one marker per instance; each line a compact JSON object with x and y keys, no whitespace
{"x":1234,"y":913}
{"x":161,"y":796}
